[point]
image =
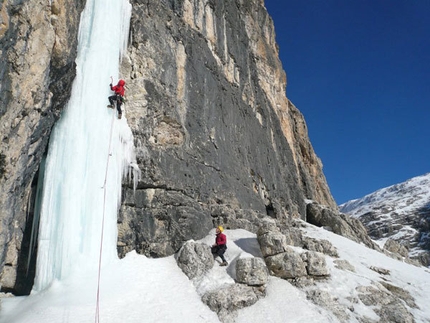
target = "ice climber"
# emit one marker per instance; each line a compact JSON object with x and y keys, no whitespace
{"x":220,"y":246}
{"x":118,"y":97}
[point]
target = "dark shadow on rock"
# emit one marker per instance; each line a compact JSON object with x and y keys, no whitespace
{"x":231,"y":267}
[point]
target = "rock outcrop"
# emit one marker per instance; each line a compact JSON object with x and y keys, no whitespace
{"x":316,"y":274}
{"x":302,"y":261}
{"x":283,"y":260}
{"x":251,"y":271}
{"x":251,"y":276}
{"x":339,"y":223}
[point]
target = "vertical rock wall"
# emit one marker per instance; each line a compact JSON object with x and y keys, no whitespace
{"x":217,"y":139}
{"x":38,"y":48}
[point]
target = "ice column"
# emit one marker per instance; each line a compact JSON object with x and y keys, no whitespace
{"x":86,"y":140}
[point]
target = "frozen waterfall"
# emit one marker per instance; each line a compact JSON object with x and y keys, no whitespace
{"x":88,"y":145}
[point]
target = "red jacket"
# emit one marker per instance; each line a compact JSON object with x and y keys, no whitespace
{"x":221,"y":239}
{"x":119,"y":88}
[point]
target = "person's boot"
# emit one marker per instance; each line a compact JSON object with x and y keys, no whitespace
{"x":224,"y":263}
{"x":119,"y":115}
{"x":110,"y":106}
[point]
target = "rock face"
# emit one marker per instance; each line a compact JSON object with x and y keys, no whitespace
{"x":339,"y":223}
{"x":38,"y":44}
{"x":217,"y":140}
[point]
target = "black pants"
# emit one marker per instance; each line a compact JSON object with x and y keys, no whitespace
{"x":219,"y":251}
{"x":118,"y":99}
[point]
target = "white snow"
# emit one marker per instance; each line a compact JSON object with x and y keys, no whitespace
{"x":139,"y":289}
{"x":406,"y":197}
{"x":398,"y":207}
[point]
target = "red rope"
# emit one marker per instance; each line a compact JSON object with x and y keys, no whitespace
{"x":97,"y":315}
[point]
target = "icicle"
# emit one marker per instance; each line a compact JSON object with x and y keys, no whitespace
{"x":135,"y":174}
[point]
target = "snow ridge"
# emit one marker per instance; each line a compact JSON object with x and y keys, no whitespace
{"x":400,"y":212}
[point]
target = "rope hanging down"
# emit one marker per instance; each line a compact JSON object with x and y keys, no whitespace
{"x":97,"y":315}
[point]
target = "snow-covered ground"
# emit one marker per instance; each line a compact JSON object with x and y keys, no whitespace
{"x":139,"y":289}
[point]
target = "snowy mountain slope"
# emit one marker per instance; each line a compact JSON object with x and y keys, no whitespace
{"x":138,"y":289}
{"x":400,"y":212}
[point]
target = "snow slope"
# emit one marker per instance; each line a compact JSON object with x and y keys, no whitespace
{"x":402,"y":198}
{"x":138,"y":289}
{"x":400,"y":212}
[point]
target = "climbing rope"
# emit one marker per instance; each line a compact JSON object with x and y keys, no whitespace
{"x":97,"y":315}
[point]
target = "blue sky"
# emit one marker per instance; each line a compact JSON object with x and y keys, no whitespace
{"x":359,"y":71}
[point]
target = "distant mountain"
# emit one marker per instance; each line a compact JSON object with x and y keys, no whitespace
{"x":400,"y":212}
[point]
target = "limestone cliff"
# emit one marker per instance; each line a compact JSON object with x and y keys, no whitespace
{"x":217,"y":140}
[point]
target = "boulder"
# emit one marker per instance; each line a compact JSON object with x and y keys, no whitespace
{"x":315,"y":264}
{"x":288,"y":264}
{"x":234,"y":297}
{"x":194,"y":259}
{"x":251,"y":271}
{"x":323,"y":246}
{"x":272,"y":243}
